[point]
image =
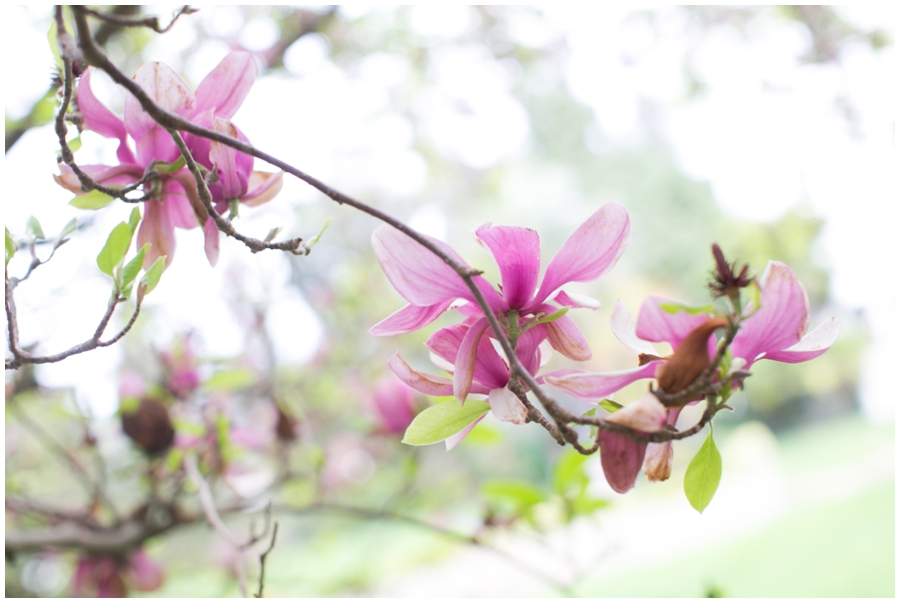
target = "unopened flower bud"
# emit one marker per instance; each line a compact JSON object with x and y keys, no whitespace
{"x":658,"y":462}
{"x":689,"y":359}
{"x":286,"y":427}
{"x":148,"y":425}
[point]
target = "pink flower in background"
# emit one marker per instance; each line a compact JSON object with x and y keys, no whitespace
{"x":431,"y":286}
{"x":394,"y":404}
{"x":106,"y":576}
{"x":175,"y":202}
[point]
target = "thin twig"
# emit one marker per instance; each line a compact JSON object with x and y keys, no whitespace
{"x":262,"y":562}
{"x":149,"y":22}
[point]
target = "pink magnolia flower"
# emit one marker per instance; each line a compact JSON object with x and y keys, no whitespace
{"x":431,"y":286}
{"x":175,"y":202}
{"x":490,"y":374}
{"x":774,"y":332}
{"x":105,"y":576}
{"x":394,"y":404}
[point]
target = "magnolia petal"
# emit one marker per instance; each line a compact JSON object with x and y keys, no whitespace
{"x":814,"y":344}
{"x":576,"y":301}
{"x":518,"y":254}
{"x":189,"y":186}
{"x":100,"y":119}
{"x":211,"y":241}
{"x":592,"y":387}
{"x":621,"y":459}
{"x":146,"y":575}
{"x":156,"y":229}
{"x":455,"y":439}
{"x":655,"y":324}
{"x":408,"y":318}
{"x":625,"y":329}
{"x":466,"y":359}
{"x":227,"y":85}
{"x":233,"y":174}
{"x":177,"y":204}
{"x":565,"y":336}
{"x":262,"y":187}
{"x":421,"y":277}
{"x":445,"y":342}
{"x":590,"y":252}
{"x":167,"y":90}
{"x":645,"y":414}
{"x":507,"y":407}
{"x":104,"y":174}
{"x":490,"y":369}
{"x":781,"y":320}
{"x":528,"y":348}
{"x":658,"y":462}
{"x":423,"y":382}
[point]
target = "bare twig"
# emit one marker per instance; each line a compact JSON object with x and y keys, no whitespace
{"x":149,"y":22}
{"x":262,"y":562}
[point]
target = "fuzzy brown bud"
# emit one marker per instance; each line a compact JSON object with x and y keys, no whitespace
{"x":286,"y":427}
{"x":149,"y":426}
{"x":690,"y":358}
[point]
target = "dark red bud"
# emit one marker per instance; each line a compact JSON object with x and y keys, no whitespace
{"x":690,"y":358}
{"x":149,"y":426}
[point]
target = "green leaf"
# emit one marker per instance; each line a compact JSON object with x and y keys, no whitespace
{"x":318,"y":237}
{"x":75,"y":144}
{"x":551,"y":317}
{"x":151,"y":277}
{"x":115,"y":248}
{"x":91,"y":200}
{"x":609,"y":405}
{"x":32,"y":226}
{"x":134,"y":219}
{"x":134,"y":266}
{"x":168,"y":168}
{"x":568,"y":474}
{"x":10,"y":246}
{"x":439,"y":422}
{"x":523,"y":494}
{"x":673,"y":308}
{"x":591,"y":412}
{"x":68,"y":229}
{"x":231,"y":380}
{"x":703,"y":474}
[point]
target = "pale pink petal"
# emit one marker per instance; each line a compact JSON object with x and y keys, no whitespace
{"x":621,"y":458}
{"x":421,"y":277}
{"x":409,"y":318}
{"x":100,"y":119}
{"x":466,"y":359}
{"x":181,"y":212}
{"x":233,"y":167}
{"x":156,"y":229}
{"x":455,"y":439}
{"x":658,"y":462}
{"x":104,"y":174}
{"x":227,"y":85}
{"x":507,"y":407}
{"x":565,"y":336}
{"x":576,"y":301}
{"x":592,"y":387}
{"x":394,"y":404}
{"x":211,"y":241}
{"x":781,"y":320}
{"x":590,"y":252}
{"x":146,"y":575}
{"x":262,"y":187}
{"x":624,"y":328}
{"x":423,"y":382}
{"x":645,"y":414}
{"x":814,"y":344}
{"x":170,"y":92}
{"x":655,"y":324}
{"x":518,"y":254}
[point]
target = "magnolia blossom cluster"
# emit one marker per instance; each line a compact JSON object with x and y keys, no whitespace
{"x":172,"y":199}
{"x":534,"y":318}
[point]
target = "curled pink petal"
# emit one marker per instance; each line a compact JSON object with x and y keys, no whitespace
{"x":507,"y":407}
{"x":621,"y":458}
{"x":227,"y":85}
{"x":232,"y":181}
{"x":624,"y":328}
{"x":423,"y":382}
{"x":262,"y":187}
{"x":409,"y":318}
{"x":645,"y":414}
{"x":565,"y":336}
{"x":590,"y":252}
{"x":576,"y":301}
{"x":445,"y":342}
{"x":466,"y":359}
{"x":518,"y":254}
{"x":781,"y":320}
{"x":157,"y":229}
{"x":211,"y":241}
{"x":100,"y":119}
{"x":592,"y":387}
{"x":490,"y":369}
{"x":655,"y":324}
{"x":814,"y":344}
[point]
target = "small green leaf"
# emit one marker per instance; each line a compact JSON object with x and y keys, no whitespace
{"x":609,"y":405}
{"x":75,"y":144}
{"x":318,"y":237}
{"x":231,"y":380}
{"x":134,"y":219}
{"x":551,"y":317}
{"x":68,"y":229}
{"x":439,"y":422}
{"x":168,"y":168}
{"x":32,"y":226}
{"x":115,"y":248}
{"x":673,"y":308}
{"x":10,"y":246}
{"x":703,"y":474}
{"x":151,"y":277}
{"x":91,"y":200}
{"x":272,"y":234}
{"x":568,"y":474}
{"x":134,"y":266}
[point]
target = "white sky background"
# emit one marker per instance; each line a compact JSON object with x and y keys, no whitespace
{"x":766,"y":135}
